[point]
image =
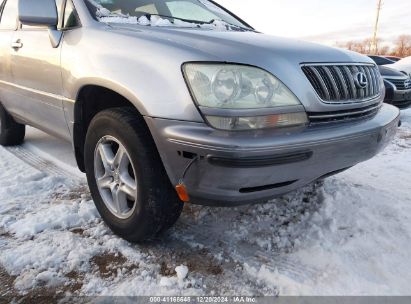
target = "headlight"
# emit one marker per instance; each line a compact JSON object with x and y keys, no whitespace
{"x":239,"y":88}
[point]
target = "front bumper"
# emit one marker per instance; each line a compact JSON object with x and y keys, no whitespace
{"x":398,"y":98}
{"x":235,"y":168}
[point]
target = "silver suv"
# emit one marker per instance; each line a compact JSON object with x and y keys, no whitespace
{"x":180,"y":100}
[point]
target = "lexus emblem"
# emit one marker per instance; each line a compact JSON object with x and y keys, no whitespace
{"x":360,"y":80}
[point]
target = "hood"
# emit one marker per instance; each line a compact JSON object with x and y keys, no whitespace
{"x":403,"y":65}
{"x":171,"y":47}
{"x":245,"y":47}
{"x":387,"y":72}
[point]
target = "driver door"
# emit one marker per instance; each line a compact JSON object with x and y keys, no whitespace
{"x":36,"y":74}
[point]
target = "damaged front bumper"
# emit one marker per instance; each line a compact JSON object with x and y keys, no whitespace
{"x":235,"y":168}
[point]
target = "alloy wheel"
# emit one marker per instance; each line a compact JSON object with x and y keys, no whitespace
{"x":115,"y":177}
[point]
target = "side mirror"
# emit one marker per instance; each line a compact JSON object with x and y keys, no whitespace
{"x":38,"y":12}
{"x":41,"y":13}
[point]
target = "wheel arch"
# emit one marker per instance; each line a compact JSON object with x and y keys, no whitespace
{"x":92,"y":99}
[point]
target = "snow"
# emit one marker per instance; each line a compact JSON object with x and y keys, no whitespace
{"x":62,"y":216}
{"x":161,"y":22}
{"x":182,"y":272}
{"x":348,"y":235}
{"x":106,"y":16}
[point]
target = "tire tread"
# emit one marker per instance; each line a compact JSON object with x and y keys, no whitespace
{"x":163,"y":206}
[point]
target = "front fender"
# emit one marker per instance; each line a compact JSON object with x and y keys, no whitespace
{"x":135,"y":68}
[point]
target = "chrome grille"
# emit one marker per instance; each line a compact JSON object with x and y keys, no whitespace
{"x":401,"y":84}
{"x":337,"y":83}
{"x":317,"y":118}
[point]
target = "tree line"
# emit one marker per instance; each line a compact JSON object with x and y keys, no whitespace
{"x":400,"y":48}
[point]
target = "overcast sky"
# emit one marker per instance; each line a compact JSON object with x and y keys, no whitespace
{"x":324,"y":21}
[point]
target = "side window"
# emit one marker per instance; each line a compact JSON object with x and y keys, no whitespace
{"x":8,"y":19}
{"x":70,"y":16}
{"x":378,"y":60}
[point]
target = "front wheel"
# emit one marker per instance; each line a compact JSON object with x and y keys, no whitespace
{"x":127,"y":179}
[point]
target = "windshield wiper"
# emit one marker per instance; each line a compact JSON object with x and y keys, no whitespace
{"x":199,"y":22}
{"x":231,"y":24}
{"x":178,"y":18}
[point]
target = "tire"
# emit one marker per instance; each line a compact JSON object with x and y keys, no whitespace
{"x":11,"y":132}
{"x":154,"y":206}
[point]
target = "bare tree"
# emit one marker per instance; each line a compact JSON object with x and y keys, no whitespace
{"x":350,"y":45}
{"x":384,"y":50}
{"x":367,"y":45}
{"x":364,"y":46}
{"x":403,"y":46}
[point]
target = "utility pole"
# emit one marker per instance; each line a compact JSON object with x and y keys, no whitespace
{"x":374,"y":40}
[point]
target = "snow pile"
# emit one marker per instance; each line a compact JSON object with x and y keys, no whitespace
{"x":62,"y":216}
{"x":178,"y":280}
{"x":182,"y":272}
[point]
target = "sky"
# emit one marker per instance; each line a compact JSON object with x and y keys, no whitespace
{"x":325,"y":21}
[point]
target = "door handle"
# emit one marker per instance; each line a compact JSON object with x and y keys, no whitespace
{"x":17,"y":44}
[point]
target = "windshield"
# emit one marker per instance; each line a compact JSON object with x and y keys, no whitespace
{"x":381,"y":60}
{"x":185,"y":13}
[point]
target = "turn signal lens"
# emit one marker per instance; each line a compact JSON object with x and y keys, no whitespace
{"x":257,"y":122}
{"x":182,"y":193}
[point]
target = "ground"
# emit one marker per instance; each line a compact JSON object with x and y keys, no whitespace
{"x":347,"y":235}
